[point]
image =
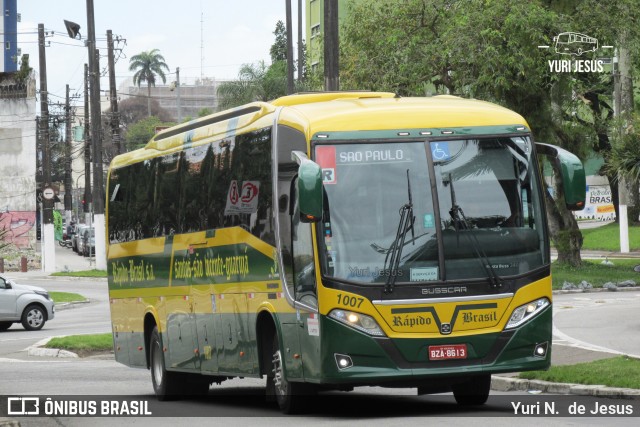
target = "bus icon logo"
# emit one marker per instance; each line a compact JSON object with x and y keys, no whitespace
{"x":576,"y":44}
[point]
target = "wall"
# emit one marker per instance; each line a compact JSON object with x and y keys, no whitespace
{"x":18,"y":170}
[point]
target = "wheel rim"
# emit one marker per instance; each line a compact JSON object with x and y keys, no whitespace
{"x":278,"y":375}
{"x":35,"y":318}
{"x":157,"y":364}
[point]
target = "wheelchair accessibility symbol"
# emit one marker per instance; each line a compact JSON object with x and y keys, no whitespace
{"x":440,"y":151}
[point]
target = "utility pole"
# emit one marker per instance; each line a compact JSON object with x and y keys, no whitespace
{"x":623,"y":107}
{"x":300,"y":49}
{"x":331,"y":80}
{"x":48,"y":233}
{"x":68,"y":196}
{"x":178,"y":94}
{"x":113,"y":96}
{"x":87,"y":150}
{"x":289,"y":50}
{"x":96,"y":140}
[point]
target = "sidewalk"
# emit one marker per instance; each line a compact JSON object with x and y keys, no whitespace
{"x":66,"y":260}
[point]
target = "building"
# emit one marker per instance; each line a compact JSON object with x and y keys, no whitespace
{"x":315,"y":29}
{"x":18,"y":208}
{"x":193,"y":96}
{"x":9,"y":36}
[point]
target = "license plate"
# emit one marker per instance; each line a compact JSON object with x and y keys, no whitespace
{"x":446,"y":352}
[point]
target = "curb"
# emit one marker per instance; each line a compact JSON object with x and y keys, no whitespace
{"x":72,"y":304}
{"x":505,"y":384}
{"x":39,"y":351}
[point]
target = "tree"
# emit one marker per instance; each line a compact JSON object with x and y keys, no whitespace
{"x":247,"y":88}
{"x":140,"y":133}
{"x":278,"y":49}
{"x":147,"y":66}
{"x":135,"y":108}
{"x":481,"y":49}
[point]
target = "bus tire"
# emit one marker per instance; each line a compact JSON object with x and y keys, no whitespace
{"x":475,"y":391}
{"x":292,"y":397}
{"x":166,"y":385}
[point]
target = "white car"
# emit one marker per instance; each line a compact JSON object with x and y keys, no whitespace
{"x":29,"y":305}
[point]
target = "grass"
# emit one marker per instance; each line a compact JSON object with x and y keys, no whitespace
{"x":96,"y":342}
{"x":619,"y":371}
{"x":60,"y":297}
{"x":85,"y":273}
{"x":595,"y":273}
{"x":607,"y":238}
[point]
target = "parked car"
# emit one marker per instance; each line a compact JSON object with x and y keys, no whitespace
{"x":89,"y":242}
{"x":77,"y":236}
{"x":29,"y":305}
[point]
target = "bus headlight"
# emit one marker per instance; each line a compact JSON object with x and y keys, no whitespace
{"x":525,"y":312}
{"x":359,"y":321}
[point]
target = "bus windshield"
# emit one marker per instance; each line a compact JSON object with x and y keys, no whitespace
{"x":479,"y":206}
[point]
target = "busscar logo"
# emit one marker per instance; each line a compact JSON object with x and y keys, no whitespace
{"x":580,"y":46}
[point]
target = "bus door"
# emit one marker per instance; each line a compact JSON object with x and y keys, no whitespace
{"x":302,"y":285}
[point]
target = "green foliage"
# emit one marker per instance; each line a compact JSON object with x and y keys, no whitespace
{"x":278,"y":50}
{"x":60,"y":297}
{"x":256,"y":82}
{"x":147,"y":66}
{"x":607,"y":238}
{"x":141,"y":132}
{"x":85,"y":273}
{"x":25,"y":70}
{"x":594,"y":272}
{"x":205,"y":112}
{"x":624,"y":159}
{"x":96,"y":342}
{"x":621,"y":371}
{"x":3,"y":235}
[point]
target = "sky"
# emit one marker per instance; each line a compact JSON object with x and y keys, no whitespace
{"x":210,"y":38}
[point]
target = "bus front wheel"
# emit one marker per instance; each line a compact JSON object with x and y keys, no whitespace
{"x":474,"y":391}
{"x":292,"y":397}
{"x":165,"y":384}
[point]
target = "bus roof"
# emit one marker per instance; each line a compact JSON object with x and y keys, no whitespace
{"x":386,"y":113}
{"x":313,"y":113}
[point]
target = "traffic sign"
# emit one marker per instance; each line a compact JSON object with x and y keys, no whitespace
{"x":48,"y":193}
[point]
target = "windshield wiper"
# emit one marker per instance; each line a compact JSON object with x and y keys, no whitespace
{"x":407,"y":220}
{"x":457,"y":215}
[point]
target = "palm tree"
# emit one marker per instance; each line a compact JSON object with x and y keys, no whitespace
{"x":147,"y":66}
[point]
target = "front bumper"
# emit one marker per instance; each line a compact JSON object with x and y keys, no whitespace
{"x":404,"y":361}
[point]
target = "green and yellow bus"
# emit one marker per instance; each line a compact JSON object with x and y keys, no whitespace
{"x":333,"y":240}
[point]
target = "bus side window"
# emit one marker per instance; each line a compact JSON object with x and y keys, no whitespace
{"x":302,"y":250}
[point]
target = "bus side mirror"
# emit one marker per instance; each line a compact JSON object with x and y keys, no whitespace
{"x":574,"y":182}
{"x":309,"y":189}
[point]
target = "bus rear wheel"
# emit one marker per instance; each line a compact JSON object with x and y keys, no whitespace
{"x":475,"y":391}
{"x":292,"y":397}
{"x":166,"y":385}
